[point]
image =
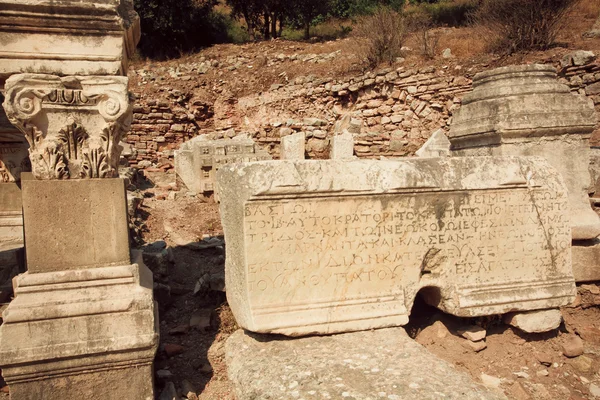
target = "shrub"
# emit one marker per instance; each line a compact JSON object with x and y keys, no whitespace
{"x":521,"y":25}
{"x":421,"y":23}
{"x":381,"y":36}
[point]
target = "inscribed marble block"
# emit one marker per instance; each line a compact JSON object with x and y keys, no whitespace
{"x":334,"y":246}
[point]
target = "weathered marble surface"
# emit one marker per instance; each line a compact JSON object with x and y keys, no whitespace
{"x":526,"y":111}
{"x":197,"y":161}
{"x":293,"y":146}
{"x":73,"y":124}
{"x":371,"y":365}
{"x":437,"y":145}
{"x":70,"y":37}
{"x":83,"y":321}
{"x":333,"y":246}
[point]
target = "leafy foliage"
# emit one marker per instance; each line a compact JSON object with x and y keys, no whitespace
{"x":170,"y":27}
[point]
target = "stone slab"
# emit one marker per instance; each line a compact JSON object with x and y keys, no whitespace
{"x":342,"y":146}
{"x":74,"y":224}
{"x":371,"y":365}
{"x":333,"y":246}
{"x":586,"y":260}
{"x":293,"y":146}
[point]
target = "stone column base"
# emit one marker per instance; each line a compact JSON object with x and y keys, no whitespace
{"x":87,"y":333}
{"x":586,"y":260}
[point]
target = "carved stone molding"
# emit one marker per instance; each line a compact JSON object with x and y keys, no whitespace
{"x":73,"y":124}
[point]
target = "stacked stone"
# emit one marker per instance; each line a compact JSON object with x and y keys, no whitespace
{"x":399,"y":107}
{"x":159,"y":128}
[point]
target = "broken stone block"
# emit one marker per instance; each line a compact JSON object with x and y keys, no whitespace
{"x":473,"y":333}
{"x":526,"y":111}
{"x":334,"y":246}
{"x":437,"y":145}
{"x":382,"y":363}
{"x":197,"y":160}
{"x":535,"y":321}
{"x":342,"y":146}
{"x":293,"y":146}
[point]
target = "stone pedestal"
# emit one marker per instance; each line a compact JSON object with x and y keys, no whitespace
{"x":525,"y":111}
{"x":293,"y":146}
{"x":83,"y":323}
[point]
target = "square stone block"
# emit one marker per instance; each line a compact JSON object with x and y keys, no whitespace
{"x":74,"y":224}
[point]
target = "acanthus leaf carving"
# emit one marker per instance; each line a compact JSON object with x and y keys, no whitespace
{"x":86,"y":146}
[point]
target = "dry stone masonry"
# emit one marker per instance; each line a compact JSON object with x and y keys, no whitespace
{"x":337,"y":246}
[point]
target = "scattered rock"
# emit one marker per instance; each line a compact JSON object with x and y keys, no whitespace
{"x":188,"y":390}
{"x":572,"y":346}
{"x":590,"y":334}
{"x":582,"y":363}
{"x":594,"y":390}
{"x":169,"y":392}
{"x":543,"y":358}
{"x":432,"y":333}
{"x":535,"y":321}
{"x":542,"y":372}
{"x":200,"y":319}
{"x":475,"y":346}
{"x":164,"y":374}
{"x":522,"y":374}
{"x":577,"y":58}
{"x":473,"y":332}
{"x":179,"y":330}
{"x":173,"y":349}
{"x":490,"y":381}
{"x":447,"y":53}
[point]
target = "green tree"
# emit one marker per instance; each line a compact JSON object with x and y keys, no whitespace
{"x":307,"y":10}
{"x":170,"y":27}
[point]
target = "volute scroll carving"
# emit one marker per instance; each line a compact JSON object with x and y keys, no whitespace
{"x":73,"y":124}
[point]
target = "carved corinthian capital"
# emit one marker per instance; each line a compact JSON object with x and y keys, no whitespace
{"x":73,"y":124}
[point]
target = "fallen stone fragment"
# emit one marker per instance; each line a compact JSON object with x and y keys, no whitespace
{"x":200,"y":319}
{"x":474,"y":333}
{"x":179,"y":330}
{"x":382,"y":363}
{"x":188,"y":390}
{"x":577,"y":58}
{"x":543,"y":358}
{"x":522,"y":374}
{"x":535,"y":321}
{"x":173,"y":349}
{"x":595,"y":390}
{"x":572,"y":346}
{"x":490,"y":381}
{"x":543,"y":372}
{"x":169,"y":392}
{"x":590,"y":334}
{"x":475,"y":346}
{"x":432,"y":333}
{"x":164,"y":374}
{"x":582,"y":363}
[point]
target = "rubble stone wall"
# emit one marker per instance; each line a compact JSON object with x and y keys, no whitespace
{"x":400,"y":109}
